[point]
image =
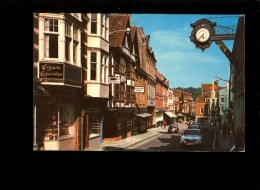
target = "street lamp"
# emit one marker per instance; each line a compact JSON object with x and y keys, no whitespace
{"x":127,"y":31}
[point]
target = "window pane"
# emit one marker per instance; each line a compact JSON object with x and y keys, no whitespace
{"x":94,"y":23}
{"x":93,"y":28}
{"x":51,"y":46}
{"x":93,"y":71}
{"x":93,"y":57}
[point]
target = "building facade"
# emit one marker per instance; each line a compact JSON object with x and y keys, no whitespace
{"x":57,"y":81}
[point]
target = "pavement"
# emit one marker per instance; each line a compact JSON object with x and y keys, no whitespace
{"x":222,"y":144}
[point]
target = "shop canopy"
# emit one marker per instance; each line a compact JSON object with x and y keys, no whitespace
{"x":171,"y":114}
{"x":144,"y":114}
{"x":180,"y":115}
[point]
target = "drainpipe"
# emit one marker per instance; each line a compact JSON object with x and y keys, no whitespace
{"x":34,"y":128}
{"x":102,"y":130}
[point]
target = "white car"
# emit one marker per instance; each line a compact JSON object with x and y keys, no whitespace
{"x":191,"y":137}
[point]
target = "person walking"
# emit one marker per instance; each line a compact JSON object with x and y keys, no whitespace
{"x":239,"y":139}
{"x":230,"y":131}
{"x":218,"y":126}
{"x":224,"y":130}
{"x":164,"y":124}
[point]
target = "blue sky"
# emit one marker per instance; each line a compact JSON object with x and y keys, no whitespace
{"x":178,"y":59}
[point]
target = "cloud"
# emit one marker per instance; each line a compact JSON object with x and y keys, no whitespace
{"x":171,"y":40}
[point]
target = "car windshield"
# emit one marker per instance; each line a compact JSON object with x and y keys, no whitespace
{"x":192,"y":127}
{"x":191,"y":132}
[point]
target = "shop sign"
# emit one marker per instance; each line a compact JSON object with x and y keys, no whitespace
{"x":51,"y":70}
{"x":139,"y":89}
{"x":114,"y":79}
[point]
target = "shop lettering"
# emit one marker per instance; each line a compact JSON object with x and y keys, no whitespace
{"x":51,"y":70}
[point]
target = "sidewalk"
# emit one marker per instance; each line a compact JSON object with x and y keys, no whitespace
{"x":223,"y":144}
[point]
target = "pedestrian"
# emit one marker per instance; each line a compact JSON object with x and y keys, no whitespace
{"x":230,"y":131}
{"x":161,"y":123}
{"x":218,"y":126}
{"x":224,"y":130}
{"x":239,"y":139}
{"x":164,"y":123}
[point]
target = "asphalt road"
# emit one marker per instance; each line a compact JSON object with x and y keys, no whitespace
{"x":170,"y":142}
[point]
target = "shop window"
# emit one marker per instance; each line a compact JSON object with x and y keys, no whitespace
{"x":94,"y":124}
{"x":59,"y":122}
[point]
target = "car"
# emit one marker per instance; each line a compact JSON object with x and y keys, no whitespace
{"x":193,"y":127}
{"x":203,"y":127}
{"x":173,"y":128}
{"x":190,"y":122}
{"x":191,"y":137}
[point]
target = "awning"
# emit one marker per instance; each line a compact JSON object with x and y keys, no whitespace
{"x":144,"y":114}
{"x":179,"y":114}
{"x":171,"y":114}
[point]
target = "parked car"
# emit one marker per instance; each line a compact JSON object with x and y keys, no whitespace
{"x":193,"y":127}
{"x":191,"y":137}
{"x":203,"y":127}
{"x":173,"y":128}
{"x":191,"y":122}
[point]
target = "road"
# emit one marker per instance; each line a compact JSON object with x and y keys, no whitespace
{"x":170,"y":142}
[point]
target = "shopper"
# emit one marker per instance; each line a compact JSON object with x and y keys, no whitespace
{"x":239,"y":139}
{"x":164,"y":123}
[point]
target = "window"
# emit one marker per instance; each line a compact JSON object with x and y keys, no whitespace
{"x":94,"y":23}
{"x":75,"y":51}
{"x":93,"y":66}
{"x":105,"y":69}
{"x":102,"y":30}
{"x":122,"y":67}
{"x":201,"y":110}
{"x":106,"y":26}
{"x":51,"y":38}
{"x":54,"y":129}
{"x":101,"y":67}
{"x":94,"y":124}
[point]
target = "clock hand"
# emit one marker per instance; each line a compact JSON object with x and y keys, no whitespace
{"x":202,"y":36}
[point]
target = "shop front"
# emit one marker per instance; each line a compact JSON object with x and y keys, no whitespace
{"x":170,"y":117}
{"x":56,"y":123}
{"x":142,"y":121}
{"x":118,"y":124}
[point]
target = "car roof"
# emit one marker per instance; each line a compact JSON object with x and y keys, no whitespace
{"x":192,"y":129}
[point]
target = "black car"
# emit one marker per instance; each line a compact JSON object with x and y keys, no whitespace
{"x":173,"y":128}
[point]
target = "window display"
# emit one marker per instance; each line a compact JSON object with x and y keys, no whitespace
{"x":59,"y":122}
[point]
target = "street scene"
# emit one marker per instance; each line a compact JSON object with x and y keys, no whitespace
{"x":134,"y":82}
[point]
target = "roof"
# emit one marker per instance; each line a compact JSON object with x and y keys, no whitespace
{"x":133,"y":31}
{"x":117,"y":22}
{"x":209,"y":87}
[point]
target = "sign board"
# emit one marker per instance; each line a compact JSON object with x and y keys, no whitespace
{"x":139,"y":89}
{"x":114,"y":79}
{"x":51,"y":70}
{"x":93,"y":110}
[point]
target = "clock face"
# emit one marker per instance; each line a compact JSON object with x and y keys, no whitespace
{"x":202,"y":35}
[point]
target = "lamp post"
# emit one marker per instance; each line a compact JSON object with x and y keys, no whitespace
{"x":127,"y":31}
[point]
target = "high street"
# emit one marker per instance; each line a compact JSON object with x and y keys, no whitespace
{"x":158,"y":139}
